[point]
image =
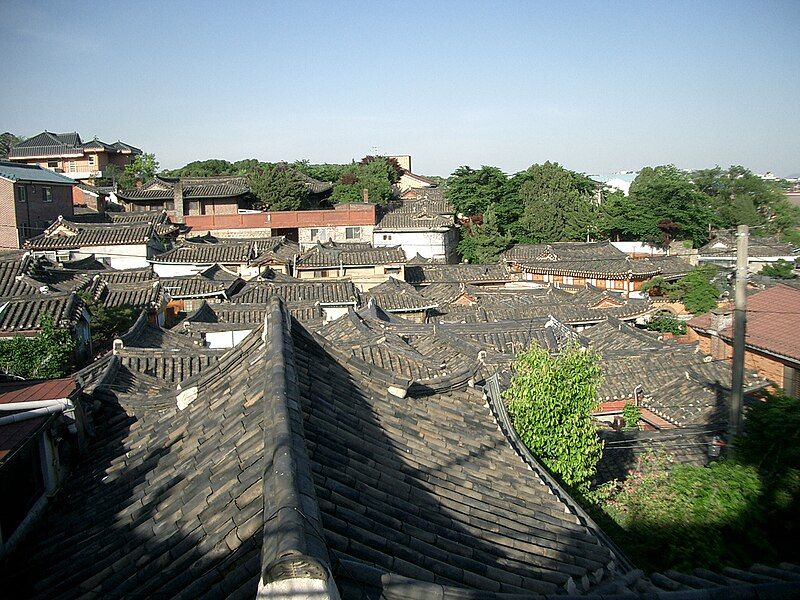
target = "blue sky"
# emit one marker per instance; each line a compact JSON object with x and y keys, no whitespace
{"x":597,"y":86}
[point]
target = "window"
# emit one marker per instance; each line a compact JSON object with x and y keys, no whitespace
{"x":91,"y":159}
{"x":47,"y":194}
{"x":352,"y":233}
{"x":22,"y":194}
{"x":387,"y":236}
{"x":52,"y":164}
{"x":72,"y":167}
{"x":314,"y":234}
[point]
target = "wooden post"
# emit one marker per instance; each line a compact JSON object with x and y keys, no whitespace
{"x":739,"y":329}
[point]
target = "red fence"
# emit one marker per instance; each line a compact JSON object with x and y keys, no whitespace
{"x":343,"y":215}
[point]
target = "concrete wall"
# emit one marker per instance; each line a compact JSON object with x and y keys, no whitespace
{"x":364,"y":234}
{"x":225,"y":339}
{"x":437,"y":245}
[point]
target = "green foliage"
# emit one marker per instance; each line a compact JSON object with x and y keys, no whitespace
{"x":108,"y":323}
{"x":374,"y":176}
{"x":322,"y":172}
{"x":8,"y":141}
{"x":631,"y":414}
{"x":556,"y":204}
{"x":48,"y":354}
{"x":690,"y":516}
{"x":142,"y":169}
{"x":669,"y":207}
{"x":782,"y":269}
{"x":694,"y":289}
{"x":278,"y":187}
{"x":665,"y":324}
{"x":614,"y":220}
{"x":550,"y":401}
{"x":472,"y":192}
{"x":484,"y":243}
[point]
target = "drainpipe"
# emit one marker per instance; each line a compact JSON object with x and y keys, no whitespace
{"x":34,"y":409}
{"x":636,"y":391}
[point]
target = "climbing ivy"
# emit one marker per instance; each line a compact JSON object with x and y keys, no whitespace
{"x":47,"y":355}
{"x":631,"y":414}
{"x":550,"y":401}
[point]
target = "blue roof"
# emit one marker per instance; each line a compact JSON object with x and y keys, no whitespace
{"x":34,"y":173}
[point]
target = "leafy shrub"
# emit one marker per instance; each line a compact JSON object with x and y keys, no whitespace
{"x":550,"y":401}
{"x":47,"y":355}
{"x":631,"y":414}
{"x":666,"y":324}
{"x":782,"y":269}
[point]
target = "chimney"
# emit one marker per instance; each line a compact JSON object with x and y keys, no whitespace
{"x":177,"y":195}
{"x":721,"y":318}
{"x":365,"y":195}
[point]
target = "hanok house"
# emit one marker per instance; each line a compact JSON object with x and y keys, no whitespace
{"x":421,"y":227}
{"x":402,"y":299}
{"x":721,"y":250}
{"x":189,"y":196}
{"x":364,"y":264}
{"x":125,"y":245}
{"x":334,"y":298}
{"x":240,"y":257}
{"x":212,"y":285}
{"x":30,"y":199}
{"x":422,"y":272}
{"x":41,"y":426}
{"x":23,"y":316}
{"x":772,"y":342}
{"x":575,"y":264}
{"x":67,"y":153}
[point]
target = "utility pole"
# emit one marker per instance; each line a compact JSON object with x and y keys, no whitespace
{"x":739,"y":327}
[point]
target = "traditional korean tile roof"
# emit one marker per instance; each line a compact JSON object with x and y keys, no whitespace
{"x":677,"y":382}
{"x":424,"y":274}
{"x":22,"y":274}
{"x":66,"y":235}
{"x":223,"y":253}
{"x":724,"y":245}
{"x":214,"y":281}
{"x":20,"y":315}
{"x":578,"y":259}
{"x":671,"y":267}
{"x":48,"y":144}
{"x":434,"y":198}
{"x":339,"y":292}
{"x":289,"y":459}
{"x":334,"y":254}
{"x":163,"y":188}
{"x":32,"y":173}
{"x":414,"y":221}
{"x":395,"y":295}
{"x":773,"y":322}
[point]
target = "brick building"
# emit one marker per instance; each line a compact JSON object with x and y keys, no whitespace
{"x":772,"y":343}
{"x":30,"y":199}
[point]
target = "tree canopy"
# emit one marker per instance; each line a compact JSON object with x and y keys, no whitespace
{"x":8,"y":141}
{"x":278,"y":187}
{"x":48,"y":354}
{"x":374,"y":175}
{"x":142,"y":169}
{"x":472,"y":192}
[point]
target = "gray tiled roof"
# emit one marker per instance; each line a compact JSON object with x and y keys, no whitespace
{"x":334,"y":254}
{"x":25,"y":314}
{"x":396,"y":295}
{"x":91,"y":234}
{"x":230,"y":253}
{"x":214,"y":281}
{"x":162,"y":188}
{"x":423,"y":274}
{"x":47,"y":144}
{"x":724,"y":245}
{"x":579,"y":259}
{"x":325,"y":292}
{"x":32,"y":173}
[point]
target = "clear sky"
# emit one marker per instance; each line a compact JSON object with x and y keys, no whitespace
{"x":597,"y":86}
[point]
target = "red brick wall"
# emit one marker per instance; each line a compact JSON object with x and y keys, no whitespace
{"x":39,"y":214}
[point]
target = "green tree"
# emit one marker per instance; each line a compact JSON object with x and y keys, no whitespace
{"x":373,"y":176}
{"x":631,"y":415}
{"x":782,"y":269}
{"x":322,"y":172}
{"x":550,"y":400}
{"x":8,"y":141}
{"x":485,"y":242}
{"x":142,"y":169}
{"x":278,"y":187}
{"x":108,"y":323}
{"x":472,"y":192}
{"x":670,"y":207}
{"x":557,"y":204}
{"x":205,"y":168}
{"x":616,"y":216}
{"x":47,"y":355}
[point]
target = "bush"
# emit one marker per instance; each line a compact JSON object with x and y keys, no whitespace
{"x":782,"y":269}
{"x":665,"y":324}
{"x":631,"y":414}
{"x":47,"y":355}
{"x":550,"y":401}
